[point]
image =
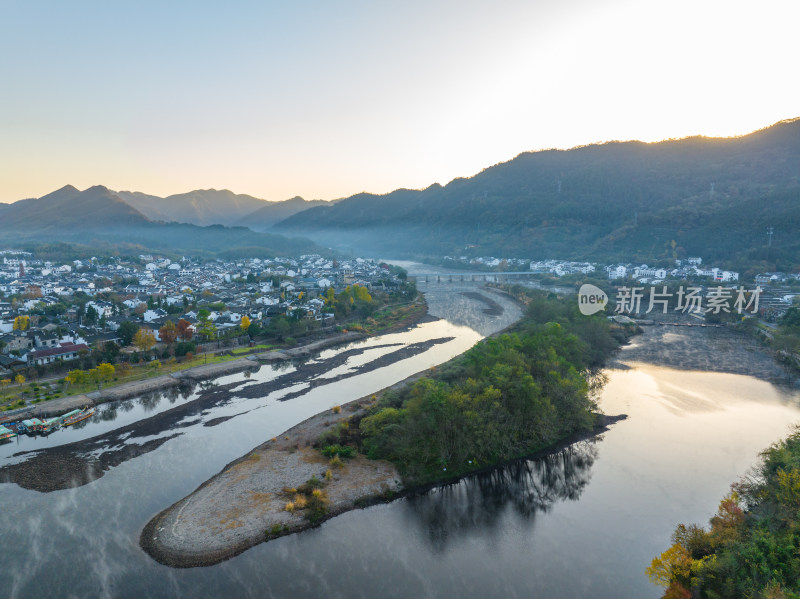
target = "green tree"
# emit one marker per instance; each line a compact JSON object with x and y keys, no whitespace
{"x":206,"y":329}
{"x":127,"y":331}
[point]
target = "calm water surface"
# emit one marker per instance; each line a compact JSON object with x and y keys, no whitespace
{"x":581,"y":523}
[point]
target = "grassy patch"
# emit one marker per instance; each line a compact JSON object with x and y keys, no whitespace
{"x":309,"y":498}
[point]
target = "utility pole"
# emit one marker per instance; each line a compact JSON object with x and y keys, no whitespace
{"x":770,"y":231}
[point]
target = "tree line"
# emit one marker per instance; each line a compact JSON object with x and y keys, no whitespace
{"x":507,"y":397}
{"x":751,"y":546}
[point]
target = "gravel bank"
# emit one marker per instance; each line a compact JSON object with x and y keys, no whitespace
{"x":244,"y":504}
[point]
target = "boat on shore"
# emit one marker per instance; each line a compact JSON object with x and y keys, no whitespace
{"x":76,"y":416}
{"x":31,"y":426}
{"x":34,"y":426}
{"x":50,"y":425}
{"x":6,"y":434}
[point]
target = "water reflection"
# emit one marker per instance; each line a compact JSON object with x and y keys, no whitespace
{"x":479,"y":503}
{"x":69,"y":464}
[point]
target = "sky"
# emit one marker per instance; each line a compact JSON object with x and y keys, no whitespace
{"x":328,"y":99}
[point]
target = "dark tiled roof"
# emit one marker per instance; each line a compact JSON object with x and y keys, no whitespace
{"x":57,"y":351}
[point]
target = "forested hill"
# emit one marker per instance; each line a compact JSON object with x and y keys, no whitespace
{"x":100,"y":217}
{"x":621,"y":200}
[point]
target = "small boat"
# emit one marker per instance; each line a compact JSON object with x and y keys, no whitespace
{"x":6,"y":434}
{"x":30,"y":426}
{"x":76,"y":416}
{"x":51,"y":424}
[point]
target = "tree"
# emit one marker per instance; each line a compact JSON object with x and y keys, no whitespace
{"x":144,"y":339}
{"x":19,"y":380}
{"x":362,"y":294}
{"x":245,"y":323}
{"x":75,"y":377}
{"x":91,"y":315}
{"x":105,"y":371}
{"x":127,"y":331}
{"x":168,"y":333}
{"x":279,"y":327}
{"x":21,"y":323}
{"x":206,"y":329}
{"x":184,"y":330}
{"x":5,"y":382}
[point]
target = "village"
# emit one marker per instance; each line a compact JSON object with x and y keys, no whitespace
{"x":778,"y":290}
{"x":54,"y":314}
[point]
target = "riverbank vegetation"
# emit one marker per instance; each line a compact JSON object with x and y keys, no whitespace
{"x":507,"y":397}
{"x":786,"y":340}
{"x":181,"y":348}
{"x":751,"y":546}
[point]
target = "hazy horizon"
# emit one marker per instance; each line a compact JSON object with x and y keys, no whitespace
{"x":237,"y":192}
{"x":323,"y":101}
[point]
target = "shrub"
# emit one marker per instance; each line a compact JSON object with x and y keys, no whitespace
{"x":343,"y":451}
{"x":336,"y":409}
{"x":313,"y":483}
{"x":317,"y":506}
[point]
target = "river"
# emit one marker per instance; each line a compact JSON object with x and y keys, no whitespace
{"x":581,"y":523}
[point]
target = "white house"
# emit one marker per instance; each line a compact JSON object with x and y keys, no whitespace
{"x":133,"y":303}
{"x":617,"y":271}
{"x":646,"y":271}
{"x":103,"y":308}
{"x":151,"y":315}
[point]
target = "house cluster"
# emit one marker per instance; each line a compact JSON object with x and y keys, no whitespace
{"x":776,"y":278}
{"x":484,"y":262}
{"x":684,"y":269}
{"x":642,"y":273}
{"x":51,"y":311}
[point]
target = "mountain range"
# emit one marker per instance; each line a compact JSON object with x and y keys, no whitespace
{"x":98,"y":215}
{"x":714,"y":197}
{"x":636,"y":201}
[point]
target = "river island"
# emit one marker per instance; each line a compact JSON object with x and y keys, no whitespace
{"x":511,"y":396}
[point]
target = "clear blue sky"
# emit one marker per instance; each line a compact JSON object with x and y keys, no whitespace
{"x":326,"y":99}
